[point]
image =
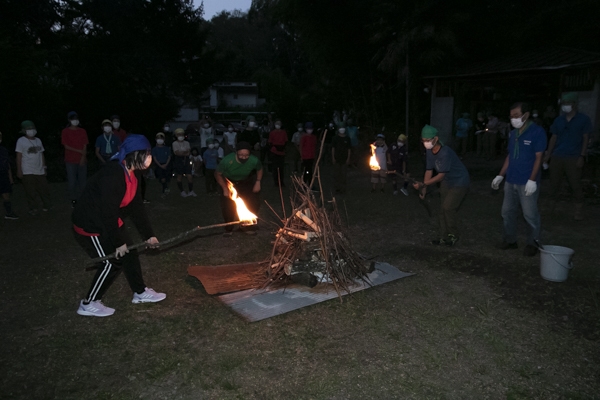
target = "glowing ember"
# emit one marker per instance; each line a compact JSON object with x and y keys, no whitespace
{"x":244,"y":215}
{"x":373,"y":160}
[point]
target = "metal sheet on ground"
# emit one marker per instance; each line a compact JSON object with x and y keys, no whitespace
{"x":255,"y":305}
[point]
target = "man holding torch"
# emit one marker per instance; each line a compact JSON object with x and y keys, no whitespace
{"x":239,"y":174}
{"x":454,"y":183}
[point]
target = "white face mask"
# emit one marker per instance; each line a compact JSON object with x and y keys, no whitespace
{"x":31,"y":132}
{"x":428,"y":145}
{"x":216,"y":145}
{"x":206,"y":126}
{"x":180,"y":138}
{"x":342,"y":131}
{"x":251,"y":124}
{"x":166,"y":128}
{"x":277,"y":126}
{"x":116,"y":124}
{"x":211,"y":146}
{"x":74,"y":122}
{"x":535,"y":115}
{"x":567,"y":108}
{"x":160,"y":141}
{"x":300,"y":129}
{"x":517,"y":122}
{"x":400,"y":144}
{"x":107,"y":129}
{"x":309,"y":131}
{"x":230,"y":129}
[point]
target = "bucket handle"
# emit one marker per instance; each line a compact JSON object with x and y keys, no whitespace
{"x":559,"y":263}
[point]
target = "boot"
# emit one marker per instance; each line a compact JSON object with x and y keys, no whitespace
{"x":578,"y":211}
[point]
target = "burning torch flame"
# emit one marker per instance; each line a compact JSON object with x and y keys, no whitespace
{"x":373,"y":160}
{"x":244,"y":215}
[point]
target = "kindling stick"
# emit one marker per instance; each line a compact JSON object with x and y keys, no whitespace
{"x":168,"y":241}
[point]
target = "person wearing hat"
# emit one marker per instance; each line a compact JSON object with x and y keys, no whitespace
{"x":75,"y":140}
{"x":294,"y":152}
{"x":397,"y":158}
{"x":117,"y":130}
{"x":308,"y":151}
{"x":379,"y":176}
{"x":454,"y":181}
{"x":251,"y":135}
{"x":6,"y":182}
{"x":31,"y":168}
{"x":161,"y":158}
{"x":522,"y":168}
{"x":181,"y":163}
{"x":110,"y":195}
{"x":244,"y":170}
{"x":567,"y":150}
{"x":107,"y":144}
{"x":278,"y":138}
{"x":463,"y":127}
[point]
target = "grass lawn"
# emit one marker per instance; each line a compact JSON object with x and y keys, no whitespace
{"x":473,"y":323}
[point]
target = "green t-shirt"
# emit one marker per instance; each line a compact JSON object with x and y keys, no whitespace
{"x":235,"y":171}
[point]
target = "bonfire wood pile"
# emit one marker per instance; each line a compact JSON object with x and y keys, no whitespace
{"x":313,"y":246}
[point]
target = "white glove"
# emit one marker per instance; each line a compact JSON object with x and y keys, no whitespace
{"x":530,"y":188}
{"x":121,"y":251}
{"x":496,"y":182}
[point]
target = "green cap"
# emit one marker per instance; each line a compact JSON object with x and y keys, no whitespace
{"x":27,"y":125}
{"x":428,"y":132}
{"x":569,"y":97}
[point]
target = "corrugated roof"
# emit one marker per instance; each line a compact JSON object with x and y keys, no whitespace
{"x":533,"y":60}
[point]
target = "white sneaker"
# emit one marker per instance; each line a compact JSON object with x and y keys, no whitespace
{"x":192,"y":194}
{"x":184,"y":194}
{"x":167,"y":191}
{"x":404,"y":191}
{"x":148,"y":296}
{"x":95,"y":309}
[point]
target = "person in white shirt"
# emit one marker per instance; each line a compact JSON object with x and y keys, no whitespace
{"x":230,"y":136}
{"x":31,"y":168}
{"x":181,"y":162}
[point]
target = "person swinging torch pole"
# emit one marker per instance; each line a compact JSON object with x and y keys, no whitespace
{"x":109,"y":196}
{"x":454,"y":183}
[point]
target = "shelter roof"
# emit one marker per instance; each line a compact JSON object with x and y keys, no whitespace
{"x":544,"y":59}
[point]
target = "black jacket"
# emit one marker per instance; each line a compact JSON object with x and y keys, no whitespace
{"x":99,"y":208}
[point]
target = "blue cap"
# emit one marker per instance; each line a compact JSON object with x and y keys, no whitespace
{"x":71,"y":115}
{"x":308,"y":125}
{"x":132,"y":143}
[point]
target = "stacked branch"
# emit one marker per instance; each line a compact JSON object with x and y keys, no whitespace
{"x":312,"y":245}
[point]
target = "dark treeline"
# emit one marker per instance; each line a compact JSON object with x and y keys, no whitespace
{"x":142,"y":59}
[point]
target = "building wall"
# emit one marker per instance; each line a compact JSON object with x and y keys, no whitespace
{"x":246,"y":100}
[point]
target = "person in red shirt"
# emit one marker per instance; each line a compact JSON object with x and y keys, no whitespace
{"x":75,"y":140}
{"x":117,"y":130}
{"x":308,"y":148}
{"x":276,"y":143}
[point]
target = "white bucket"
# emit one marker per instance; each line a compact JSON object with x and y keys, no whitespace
{"x":555,"y":263}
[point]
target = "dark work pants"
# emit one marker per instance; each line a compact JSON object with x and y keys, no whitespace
{"x":251,"y":199}
{"x":36,"y":185}
{"x":451,"y":199}
{"x":565,"y":166}
{"x":210,"y":181}
{"x":278,"y":168}
{"x":340,"y":171}
{"x":107,"y":271}
{"x":307,"y":170}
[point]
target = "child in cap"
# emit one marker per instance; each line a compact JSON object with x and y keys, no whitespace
{"x":397,"y":158}
{"x":31,"y":168}
{"x":161,"y":158}
{"x":181,"y":162}
{"x":211,"y":161}
{"x":379,"y":177}
{"x":75,"y":140}
{"x":6,"y":182}
{"x":110,"y":195}
{"x":107,"y":144}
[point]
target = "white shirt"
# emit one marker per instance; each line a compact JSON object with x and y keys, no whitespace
{"x":205,"y":134}
{"x":32,"y":162}
{"x":230,"y":138}
{"x":380,"y":154}
{"x":182,"y":146}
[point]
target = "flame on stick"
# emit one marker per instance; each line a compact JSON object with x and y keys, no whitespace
{"x":373,"y":160}
{"x":244,"y":214}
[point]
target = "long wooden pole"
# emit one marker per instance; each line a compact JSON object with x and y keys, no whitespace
{"x":163,"y":243}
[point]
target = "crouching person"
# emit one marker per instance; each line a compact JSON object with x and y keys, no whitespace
{"x":110,"y":195}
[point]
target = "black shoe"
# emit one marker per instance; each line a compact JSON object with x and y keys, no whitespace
{"x":439,"y":242}
{"x":11,"y":215}
{"x":73,"y":202}
{"x":530,"y":250}
{"x":146,"y":201}
{"x":507,"y":246}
